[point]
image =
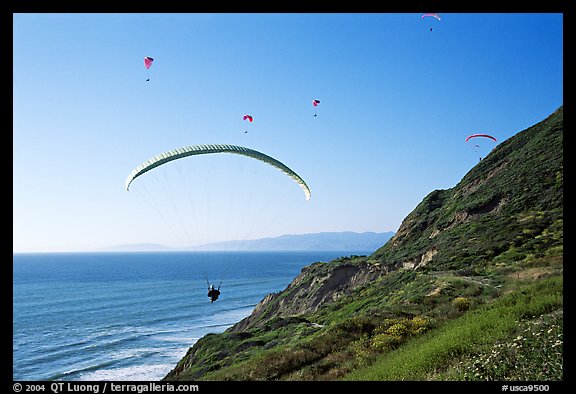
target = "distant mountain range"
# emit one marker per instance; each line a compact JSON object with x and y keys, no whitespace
{"x":324,"y":241}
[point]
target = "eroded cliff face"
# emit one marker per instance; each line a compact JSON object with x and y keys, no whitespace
{"x":316,"y":285}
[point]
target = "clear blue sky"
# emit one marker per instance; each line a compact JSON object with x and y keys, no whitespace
{"x":397,"y":101}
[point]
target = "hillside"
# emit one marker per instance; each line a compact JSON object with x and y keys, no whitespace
{"x":471,"y":269}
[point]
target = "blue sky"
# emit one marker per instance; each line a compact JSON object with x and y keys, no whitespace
{"x":397,"y":102}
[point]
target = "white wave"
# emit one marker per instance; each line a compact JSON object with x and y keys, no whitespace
{"x":153,"y":372}
{"x":228,"y":317}
{"x":177,"y":338}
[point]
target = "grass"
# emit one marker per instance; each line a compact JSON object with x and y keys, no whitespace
{"x":471,"y":336}
{"x":535,"y":354}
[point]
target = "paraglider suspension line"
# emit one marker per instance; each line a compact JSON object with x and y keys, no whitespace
{"x":219,"y":284}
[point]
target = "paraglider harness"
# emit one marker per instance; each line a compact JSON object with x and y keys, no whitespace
{"x":212,"y":292}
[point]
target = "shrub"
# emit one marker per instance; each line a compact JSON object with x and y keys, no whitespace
{"x":395,"y":332}
{"x":383,"y":342}
{"x":462,"y":303}
{"x":419,"y":325}
{"x":399,"y":330}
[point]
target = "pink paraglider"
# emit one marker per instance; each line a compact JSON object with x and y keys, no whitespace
{"x":147,"y":63}
{"x":315,"y":103}
{"x":432,"y":15}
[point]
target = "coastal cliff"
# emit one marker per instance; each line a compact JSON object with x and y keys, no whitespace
{"x":462,"y":252}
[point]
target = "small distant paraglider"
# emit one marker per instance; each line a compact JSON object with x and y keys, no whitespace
{"x":248,"y":118}
{"x":481,"y":135}
{"x":480,"y":142}
{"x":148,"y":63}
{"x":431,"y":15}
{"x":315,"y":103}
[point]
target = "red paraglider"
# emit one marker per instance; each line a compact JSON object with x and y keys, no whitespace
{"x":315,"y":103}
{"x":148,"y":63}
{"x":480,"y":135}
{"x":249,"y":118}
{"x":481,"y":146}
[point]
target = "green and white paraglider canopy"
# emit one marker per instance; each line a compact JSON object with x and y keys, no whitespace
{"x":193,"y":150}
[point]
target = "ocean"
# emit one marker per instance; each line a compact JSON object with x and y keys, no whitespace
{"x":132,"y":316}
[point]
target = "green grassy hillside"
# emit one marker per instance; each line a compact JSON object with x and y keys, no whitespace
{"x":519,"y":336}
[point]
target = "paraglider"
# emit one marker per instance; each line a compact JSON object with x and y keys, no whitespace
{"x":213,"y":292}
{"x":148,"y":63}
{"x":194,"y":150}
{"x":432,"y":15}
{"x":481,"y":135}
{"x":180,"y":188}
{"x":249,"y":118}
{"x":479,"y":145}
{"x":315,"y":103}
{"x":187,"y":196}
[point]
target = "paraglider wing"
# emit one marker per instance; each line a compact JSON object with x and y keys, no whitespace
{"x":480,"y":135}
{"x":148,"y":62}
{"x":432,"y":15}
{"x":250,"y":118}
{"x":315,"y":102}
{"x":209,"y":149}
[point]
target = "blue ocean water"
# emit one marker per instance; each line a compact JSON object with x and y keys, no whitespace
{"x":133,"y":316}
